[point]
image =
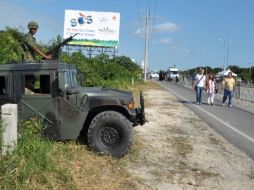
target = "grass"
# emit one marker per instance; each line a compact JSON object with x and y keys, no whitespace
{"x":1,"y":132}
{"x":90,"y":171}
{"x":180,"y":142}
{"x":31,"y":165}
{"x":181,"y":145}
{"x":42,"y":164}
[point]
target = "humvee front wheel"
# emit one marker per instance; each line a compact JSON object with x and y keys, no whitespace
{"x":110,"y":133}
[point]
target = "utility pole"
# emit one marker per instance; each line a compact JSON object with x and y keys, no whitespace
{"x":146,"y":43}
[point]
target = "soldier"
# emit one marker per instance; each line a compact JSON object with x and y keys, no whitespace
{"x":29,"y":85}
{"x":30,"y":47}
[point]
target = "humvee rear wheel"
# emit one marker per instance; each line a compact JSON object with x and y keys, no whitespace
{"x":110,"y":133}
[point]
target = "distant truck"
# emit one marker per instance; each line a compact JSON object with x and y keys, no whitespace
{"x":173,"y":74}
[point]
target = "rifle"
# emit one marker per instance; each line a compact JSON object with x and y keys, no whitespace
{"x":56,"y":51}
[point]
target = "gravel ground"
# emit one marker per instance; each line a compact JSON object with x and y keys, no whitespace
{"x":177,"y":150}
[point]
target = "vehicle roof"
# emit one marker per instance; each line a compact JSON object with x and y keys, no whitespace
{"x":46,"y":65}
{"x":173,"y":69}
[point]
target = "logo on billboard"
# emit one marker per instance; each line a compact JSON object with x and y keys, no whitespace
{"x":82,"y":19}
{"x":114,"y":18}
{"x":106,"y":30}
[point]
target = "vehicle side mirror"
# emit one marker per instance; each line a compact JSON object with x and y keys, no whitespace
{"x":71,"y":91}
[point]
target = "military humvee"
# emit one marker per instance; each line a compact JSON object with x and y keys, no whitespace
{"x":101,"y":117}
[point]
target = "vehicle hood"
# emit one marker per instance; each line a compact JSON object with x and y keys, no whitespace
{"x":101,"y":91}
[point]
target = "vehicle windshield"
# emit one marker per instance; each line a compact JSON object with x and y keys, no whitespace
{"x":70,"y":78}
{"x":175,"y":72}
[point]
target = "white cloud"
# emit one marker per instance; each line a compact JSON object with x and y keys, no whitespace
{"x":140,"y":32}
{"x":166,"y":41}
{"x":167,"y":27}
{"x":160,"y":28}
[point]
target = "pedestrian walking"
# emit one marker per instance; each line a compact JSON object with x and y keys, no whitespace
{"x":30,"y":47}
{"x":199,"y":85}
{"x":210,"y":89}
{"x":228,"y":85}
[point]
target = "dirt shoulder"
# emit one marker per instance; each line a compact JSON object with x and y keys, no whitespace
{"x":177,"y":150}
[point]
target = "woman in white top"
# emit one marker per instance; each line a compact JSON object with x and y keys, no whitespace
{"x":210,"y":89}
{"x":198,"y":85}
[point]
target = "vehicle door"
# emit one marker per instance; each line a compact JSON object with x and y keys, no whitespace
{"x":71,"y":117}
{"x":37,"y":101}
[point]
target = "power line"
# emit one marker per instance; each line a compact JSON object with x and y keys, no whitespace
{"x":139,"y":12}
{"x":152,"y":23}
{"x":152,"y":10}
{"x":155,"y":8}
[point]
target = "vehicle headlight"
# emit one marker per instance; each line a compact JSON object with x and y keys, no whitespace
{"x":130,"y":105}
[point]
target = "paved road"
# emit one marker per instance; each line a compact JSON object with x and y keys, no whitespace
{"x":235,"y":124}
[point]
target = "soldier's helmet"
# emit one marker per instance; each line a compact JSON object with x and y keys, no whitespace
{"x":32,"y":24}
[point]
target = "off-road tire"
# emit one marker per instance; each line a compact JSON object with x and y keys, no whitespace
{"x":110,"y":133}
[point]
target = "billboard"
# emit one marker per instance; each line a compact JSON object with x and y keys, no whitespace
{"x":99,"y":29}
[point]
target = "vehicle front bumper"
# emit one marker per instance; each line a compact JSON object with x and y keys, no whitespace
{"x":138,"y":117}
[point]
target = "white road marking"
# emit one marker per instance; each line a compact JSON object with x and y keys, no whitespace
{"x":213,"y":116}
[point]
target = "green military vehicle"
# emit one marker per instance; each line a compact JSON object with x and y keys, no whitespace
{"x":101,"y":117}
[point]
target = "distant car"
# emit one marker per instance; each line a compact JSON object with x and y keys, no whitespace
{"x":154,"y":75}
{"x":173,"y":74}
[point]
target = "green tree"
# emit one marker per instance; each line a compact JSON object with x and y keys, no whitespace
{"x":10,"y":48}
{"x":216,"y":70}
{"x":102,"y":70}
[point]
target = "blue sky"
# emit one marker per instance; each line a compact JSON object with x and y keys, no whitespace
{"x":184,"y":33}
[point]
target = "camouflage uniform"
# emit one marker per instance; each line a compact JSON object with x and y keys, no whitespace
{"x":29,"y":43}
